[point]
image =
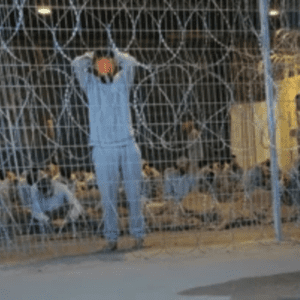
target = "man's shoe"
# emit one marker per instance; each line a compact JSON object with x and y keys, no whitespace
{"x":139,"y":243}
{"x":111,"y":246}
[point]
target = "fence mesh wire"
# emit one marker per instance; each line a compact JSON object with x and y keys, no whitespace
{"x":199,"y":120}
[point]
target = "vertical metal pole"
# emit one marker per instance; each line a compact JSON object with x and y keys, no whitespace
{"x":265,"y":41}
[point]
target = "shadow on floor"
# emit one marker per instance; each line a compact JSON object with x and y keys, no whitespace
{"x":277,"y":287}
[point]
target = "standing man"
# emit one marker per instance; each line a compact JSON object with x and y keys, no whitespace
{"x":195,"y":152}
{"x":111,"y":134}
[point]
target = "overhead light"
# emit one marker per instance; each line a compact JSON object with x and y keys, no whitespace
{"x":44,"y":10}
{"x":273,"y":12}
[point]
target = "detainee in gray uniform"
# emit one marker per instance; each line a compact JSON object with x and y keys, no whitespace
{"x":112,"y":138}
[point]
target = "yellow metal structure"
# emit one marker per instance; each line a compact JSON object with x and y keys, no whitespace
{"x":249,"y":128}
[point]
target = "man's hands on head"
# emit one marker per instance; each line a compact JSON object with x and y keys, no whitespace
{"x":90,"y":54}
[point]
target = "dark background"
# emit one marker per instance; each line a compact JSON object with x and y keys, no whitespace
{"x":218,"y":52}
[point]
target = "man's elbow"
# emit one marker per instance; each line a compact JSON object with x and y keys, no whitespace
{"x":75,"y":60}
{"x":75,"y":63}
{"x":131,"y":60}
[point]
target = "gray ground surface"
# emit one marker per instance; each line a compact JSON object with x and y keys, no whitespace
{"x":216,"y":274}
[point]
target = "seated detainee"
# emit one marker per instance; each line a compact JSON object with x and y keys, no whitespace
{"x":151,"y":180}
{"x":195,"y":148}
{"x":171,"y":176}
{"x":12,"y":212}
{"x":145,"y":184}
{"x":178,"y":182}
{"x":51,"y":197}
{"x":25,"y":182}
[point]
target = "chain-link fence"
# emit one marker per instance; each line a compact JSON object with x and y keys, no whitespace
{"x":199,"y":136}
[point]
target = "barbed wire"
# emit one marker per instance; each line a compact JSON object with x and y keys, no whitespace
{"x":157,"y":72}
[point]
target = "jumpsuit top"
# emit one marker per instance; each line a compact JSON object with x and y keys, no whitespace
{"x":109,"y":111}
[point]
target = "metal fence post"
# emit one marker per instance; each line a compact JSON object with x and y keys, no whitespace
{"x":265,"y":42}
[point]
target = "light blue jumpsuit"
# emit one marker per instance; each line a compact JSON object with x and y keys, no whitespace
{"x":112,"y":138}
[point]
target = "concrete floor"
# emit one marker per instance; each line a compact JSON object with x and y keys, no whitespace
{"x":162,"y":277}
{"x":280,"y":286}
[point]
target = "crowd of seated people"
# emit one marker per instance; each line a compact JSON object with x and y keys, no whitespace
{"x":52,"y":194}
{"x":45,"y":198}
{"x":53,"y":197}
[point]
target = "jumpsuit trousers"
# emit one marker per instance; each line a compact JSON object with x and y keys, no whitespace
{"x":108,"y":162}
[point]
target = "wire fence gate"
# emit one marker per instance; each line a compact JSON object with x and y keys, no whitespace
{"x":213,"y":114}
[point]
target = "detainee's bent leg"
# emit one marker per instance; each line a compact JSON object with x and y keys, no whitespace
{"x":131,"y":169}
{"x":108,"y":176}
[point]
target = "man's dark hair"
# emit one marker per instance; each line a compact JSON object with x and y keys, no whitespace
{"x":65,"y":172}
{"x":32,"y":176}
{"x":267,"y":163}
{"x":99,"y":53}
{"x":2,"y":174}
{"x":44,"y":185}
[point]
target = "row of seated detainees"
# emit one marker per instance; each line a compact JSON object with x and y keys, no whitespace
{"x":45,"y":193}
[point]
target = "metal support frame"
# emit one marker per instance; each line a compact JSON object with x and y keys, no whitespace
{"x":271,"y":101}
